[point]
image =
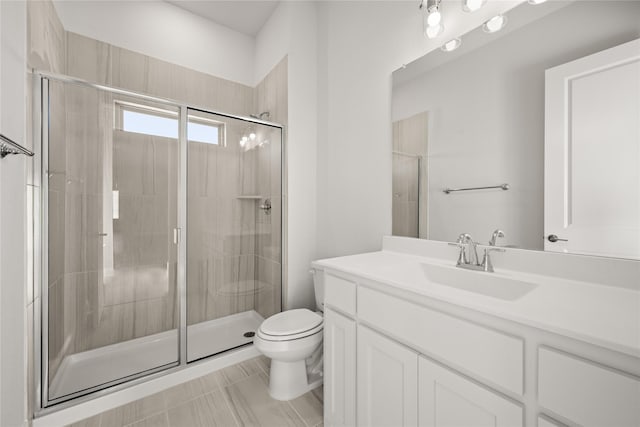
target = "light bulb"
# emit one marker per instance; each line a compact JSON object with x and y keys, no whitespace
{"x":494,"y":24}
{"x":433,"y":32}
{"x":252,"y":136}
{"x":451,"y":45}
{"x":472,"y":5}
{"x":434,"y":17}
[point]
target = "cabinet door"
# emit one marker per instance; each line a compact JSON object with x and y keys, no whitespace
{"x":448,"y":399}
{"x":339,"y":370}
{"x":387,"y":381}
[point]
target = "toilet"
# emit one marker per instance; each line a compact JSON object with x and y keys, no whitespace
{"x":292,"y":340}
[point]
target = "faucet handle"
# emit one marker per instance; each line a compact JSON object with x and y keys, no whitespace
{"x":462,"y":257}
{"x":494,"y":237}
{"x":487,"y":265}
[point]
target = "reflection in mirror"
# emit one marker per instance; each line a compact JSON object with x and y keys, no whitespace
{"x":550,"y":105}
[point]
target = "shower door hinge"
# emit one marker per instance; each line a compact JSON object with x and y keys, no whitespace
{"x":176,"y":236}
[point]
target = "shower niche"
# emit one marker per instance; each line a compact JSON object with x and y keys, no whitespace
{"x":161,"y":234}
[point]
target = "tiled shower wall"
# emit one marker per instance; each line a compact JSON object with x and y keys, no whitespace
{"x":84,"y":312}
{"x":410,"y":176}
{"x":271,"y":96}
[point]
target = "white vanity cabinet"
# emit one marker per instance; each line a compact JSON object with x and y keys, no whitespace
{"x":339,"y":351}
{"x":449,"y":399}
{"x":398,"y":358}
{"x":387,"y":381}
{"x":586,"y":393}
{"x":339,"y":369}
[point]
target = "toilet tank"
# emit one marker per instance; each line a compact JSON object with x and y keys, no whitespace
{"x":318,"y":287}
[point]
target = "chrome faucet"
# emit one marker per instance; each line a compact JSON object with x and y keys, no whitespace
{"x":468,"y":257}
{"x":487,"y":265}
{"x":494,"y":236}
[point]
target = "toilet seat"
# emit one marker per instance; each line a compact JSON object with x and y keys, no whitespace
{"x":291,"y":325}
{"x":267,"y":337}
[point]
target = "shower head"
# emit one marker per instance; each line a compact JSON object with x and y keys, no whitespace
{"x":262,"y":116}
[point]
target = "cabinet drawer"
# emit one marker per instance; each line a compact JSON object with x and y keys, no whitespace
{"x":586,"y":393}
{"x":449,"y":399}
{"x":490,"y":355}
{"x":340,"y":293}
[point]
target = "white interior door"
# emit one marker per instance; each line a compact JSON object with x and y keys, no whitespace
{"x":592,"y":154}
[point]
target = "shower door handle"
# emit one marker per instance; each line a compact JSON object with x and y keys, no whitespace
{"x":176,"y":236}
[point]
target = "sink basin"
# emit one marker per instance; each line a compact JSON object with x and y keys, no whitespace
{"x":488,"y":284}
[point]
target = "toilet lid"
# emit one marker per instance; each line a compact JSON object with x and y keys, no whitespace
{"x":291,"y":322}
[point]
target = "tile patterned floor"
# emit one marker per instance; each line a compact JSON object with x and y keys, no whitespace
{"x":234,"y":396}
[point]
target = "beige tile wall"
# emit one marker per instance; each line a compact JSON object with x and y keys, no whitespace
{"x":409,"y":182}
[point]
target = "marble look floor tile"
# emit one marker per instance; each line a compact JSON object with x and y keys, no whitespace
{"x":158,"y":420}
{"x":251,"y":404}
{"x":134,"y":411}
{"x":309,"y":406}
{"x":238,"y":372}
{"x":264,"y":363}
{"x":88,"y":422}
{"x":192,"y":389}
{"x":207,"y":410}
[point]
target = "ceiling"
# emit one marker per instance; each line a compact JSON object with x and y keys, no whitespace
{"x":244,"y":16}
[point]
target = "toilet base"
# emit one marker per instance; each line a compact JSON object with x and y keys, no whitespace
{"x":288,"y":380}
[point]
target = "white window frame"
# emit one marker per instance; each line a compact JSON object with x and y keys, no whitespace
{"x":122,"y":106}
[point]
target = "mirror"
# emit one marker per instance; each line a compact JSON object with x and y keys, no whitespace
{"x":546,"y":113}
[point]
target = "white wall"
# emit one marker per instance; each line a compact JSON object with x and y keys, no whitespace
{"x":166,"y":32}
{"x":361,"y":44}
{"x":13,"y":35}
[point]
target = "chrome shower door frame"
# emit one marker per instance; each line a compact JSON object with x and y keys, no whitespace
{"x":41,"y":97}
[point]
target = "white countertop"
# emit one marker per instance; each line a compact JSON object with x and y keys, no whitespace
{"x":603,"y":315}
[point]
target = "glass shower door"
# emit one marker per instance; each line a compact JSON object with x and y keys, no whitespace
{"x":406,"y":195}
{"x":234,"y":222}
{"x":111,"y":177}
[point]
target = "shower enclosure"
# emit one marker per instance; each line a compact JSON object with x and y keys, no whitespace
{"x":406,"y":194}
{"x":160,"y":238}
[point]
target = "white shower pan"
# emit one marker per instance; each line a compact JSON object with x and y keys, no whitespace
{"x":116,"y":362}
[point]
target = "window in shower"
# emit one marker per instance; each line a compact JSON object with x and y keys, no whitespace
{"x":160,"y":122}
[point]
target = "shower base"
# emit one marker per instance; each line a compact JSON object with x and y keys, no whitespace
{"x":111,"y":364}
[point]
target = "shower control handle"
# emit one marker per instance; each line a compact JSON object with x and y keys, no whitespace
{"x":266,"y":206}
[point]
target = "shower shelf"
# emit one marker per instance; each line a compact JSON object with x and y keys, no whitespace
{"x":250,"y":197}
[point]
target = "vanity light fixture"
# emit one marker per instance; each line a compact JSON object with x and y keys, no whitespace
{"x":495,"y":24}
{"x":432,"y":19}
{"x":534,"y":2}
{"x":451,"y":45}
{"x":473,"y":5}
